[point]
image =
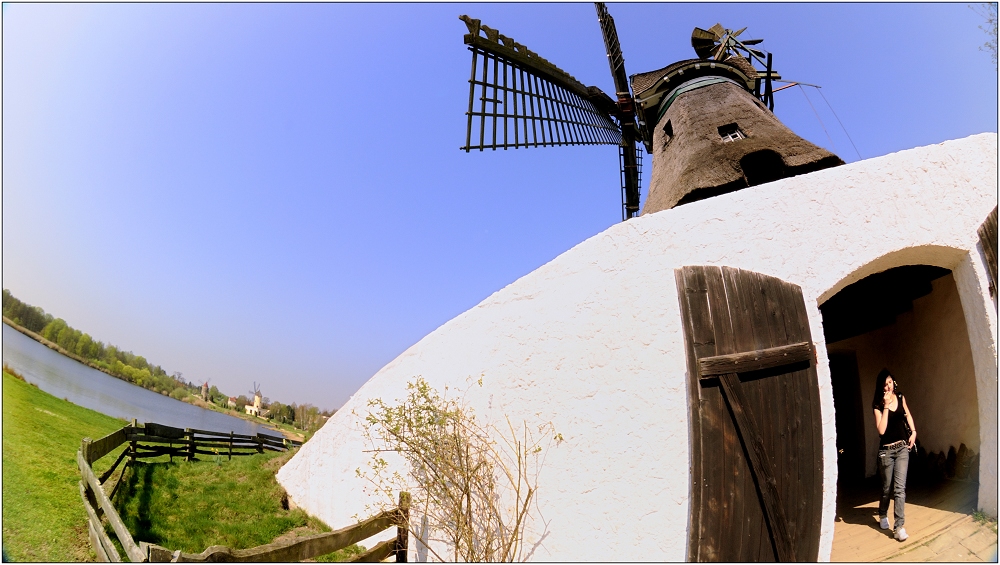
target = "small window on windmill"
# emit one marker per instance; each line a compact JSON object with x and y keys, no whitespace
{"x":731,"y":132}
{"x":668,"y":130}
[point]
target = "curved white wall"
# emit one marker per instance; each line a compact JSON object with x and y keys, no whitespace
{"x":592,"y":342}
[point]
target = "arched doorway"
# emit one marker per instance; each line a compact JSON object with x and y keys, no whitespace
{"x":910,"y":320}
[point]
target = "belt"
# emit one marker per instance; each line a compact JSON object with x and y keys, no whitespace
{"x":894,"y":445}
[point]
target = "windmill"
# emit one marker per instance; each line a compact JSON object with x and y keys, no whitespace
{"x":519,"y":99}
{"x":257,"y":401}
{"x":525,"y":101}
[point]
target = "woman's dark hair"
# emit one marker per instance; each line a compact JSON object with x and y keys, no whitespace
{"x":880,"y":384}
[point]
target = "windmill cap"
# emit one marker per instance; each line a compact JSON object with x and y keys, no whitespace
{"x":648,"y":85}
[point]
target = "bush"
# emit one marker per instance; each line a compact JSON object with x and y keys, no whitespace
{"x":473,"y":491}
{"x":179,"y":393}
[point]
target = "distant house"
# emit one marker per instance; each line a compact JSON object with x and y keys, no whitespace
{"x":232,"y":402}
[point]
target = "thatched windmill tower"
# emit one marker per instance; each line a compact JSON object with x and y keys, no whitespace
{"x":708,"y":122}
{"x":710,"y":134}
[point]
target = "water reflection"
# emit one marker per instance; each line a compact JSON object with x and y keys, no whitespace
{"x":63,"y":377}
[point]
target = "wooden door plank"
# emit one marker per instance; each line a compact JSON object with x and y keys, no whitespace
{"x":786,"y":407}
{"x":760,"y":464}
{"x":725,"y":440}
{"x":765,"y":391}
{"x":808,"y":431}
{"x":748,"y":285}
{"x":756,"y":360}
{"x":788,"y":393}
{"x":747,"y":506}
{"x":988,"y":239}
{"x":692,"y":295}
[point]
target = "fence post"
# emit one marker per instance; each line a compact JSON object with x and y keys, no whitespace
{"x":85,"y":449}
{"x":402,"y":527}
{"x":132,"y":445}
{"x":230,"y":445}
{"x":260,"y":444}
{"x":190,"y":439}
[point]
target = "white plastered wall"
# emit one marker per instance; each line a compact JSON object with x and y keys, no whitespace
{"x":592,"y":343}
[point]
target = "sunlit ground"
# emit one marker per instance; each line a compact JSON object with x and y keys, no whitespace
{"x":938,"y":521}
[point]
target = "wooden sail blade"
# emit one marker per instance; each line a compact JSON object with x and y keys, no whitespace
{"x":630,"y":158}
{"x":518,"y":99}
{"x":614,"y":50}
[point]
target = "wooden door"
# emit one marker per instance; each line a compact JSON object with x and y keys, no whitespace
{"x":757,"y":462}
{"x":988,"y":239}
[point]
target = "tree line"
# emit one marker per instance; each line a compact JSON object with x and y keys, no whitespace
{"x":137,"y":370}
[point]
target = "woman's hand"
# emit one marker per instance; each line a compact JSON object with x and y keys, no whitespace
{"x":886,"y":399}
{"x":909,"y":420}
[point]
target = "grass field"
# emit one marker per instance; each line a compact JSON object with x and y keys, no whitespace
{"x":180,"y":505}
{"x":43,"y":516}
{"x":192,"y":505}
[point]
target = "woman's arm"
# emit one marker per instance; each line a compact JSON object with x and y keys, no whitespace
{"x":881,"y":420}
{"x":909,"y":420}
{"x":882,"y":416}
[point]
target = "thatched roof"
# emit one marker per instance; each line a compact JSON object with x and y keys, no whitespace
{"x":692,"y":159}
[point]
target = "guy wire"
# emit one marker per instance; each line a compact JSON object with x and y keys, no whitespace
{"x":821,"y":124}
{"x":841,"y":124}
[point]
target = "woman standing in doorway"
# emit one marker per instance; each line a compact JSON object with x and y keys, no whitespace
{"x":897,"y":435}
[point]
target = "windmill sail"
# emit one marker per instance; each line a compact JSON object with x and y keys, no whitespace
{"x":518,"y":99}
{"x":629,"y":156}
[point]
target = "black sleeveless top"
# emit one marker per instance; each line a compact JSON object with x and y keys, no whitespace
{"x":895,"y":428}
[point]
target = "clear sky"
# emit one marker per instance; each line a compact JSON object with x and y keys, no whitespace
{"x":274,"y":192}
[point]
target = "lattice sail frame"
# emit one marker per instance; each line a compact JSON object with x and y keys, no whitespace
{"x":525,"y":101}
{"x":630,"y":186}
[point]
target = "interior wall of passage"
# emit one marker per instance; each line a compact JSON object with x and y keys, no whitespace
{"x":928,"y":351}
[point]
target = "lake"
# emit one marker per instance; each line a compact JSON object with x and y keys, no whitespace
{"x":66,"y":378}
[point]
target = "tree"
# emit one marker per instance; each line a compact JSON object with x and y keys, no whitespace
{"x":52,"y":329}
{"x":277,"y":410}
{"x":989,"y":12}
{"x":67,"y":338}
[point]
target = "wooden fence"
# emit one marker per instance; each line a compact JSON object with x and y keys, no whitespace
{"x":155,"y":440}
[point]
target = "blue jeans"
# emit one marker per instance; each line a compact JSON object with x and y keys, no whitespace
{"x":892,"y":464}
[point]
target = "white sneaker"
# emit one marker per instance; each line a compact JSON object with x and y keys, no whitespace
{"x":884,"y":524}
{"x":901,"y":533}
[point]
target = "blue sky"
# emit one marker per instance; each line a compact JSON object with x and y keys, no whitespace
{"x":274,"y":192}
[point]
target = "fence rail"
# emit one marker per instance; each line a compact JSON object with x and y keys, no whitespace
{"x":156,"y":440}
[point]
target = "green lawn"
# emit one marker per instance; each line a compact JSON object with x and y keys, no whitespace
{"x":43,"y":516}
{"x":180,"y":505}
{"x":192,"y":505}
